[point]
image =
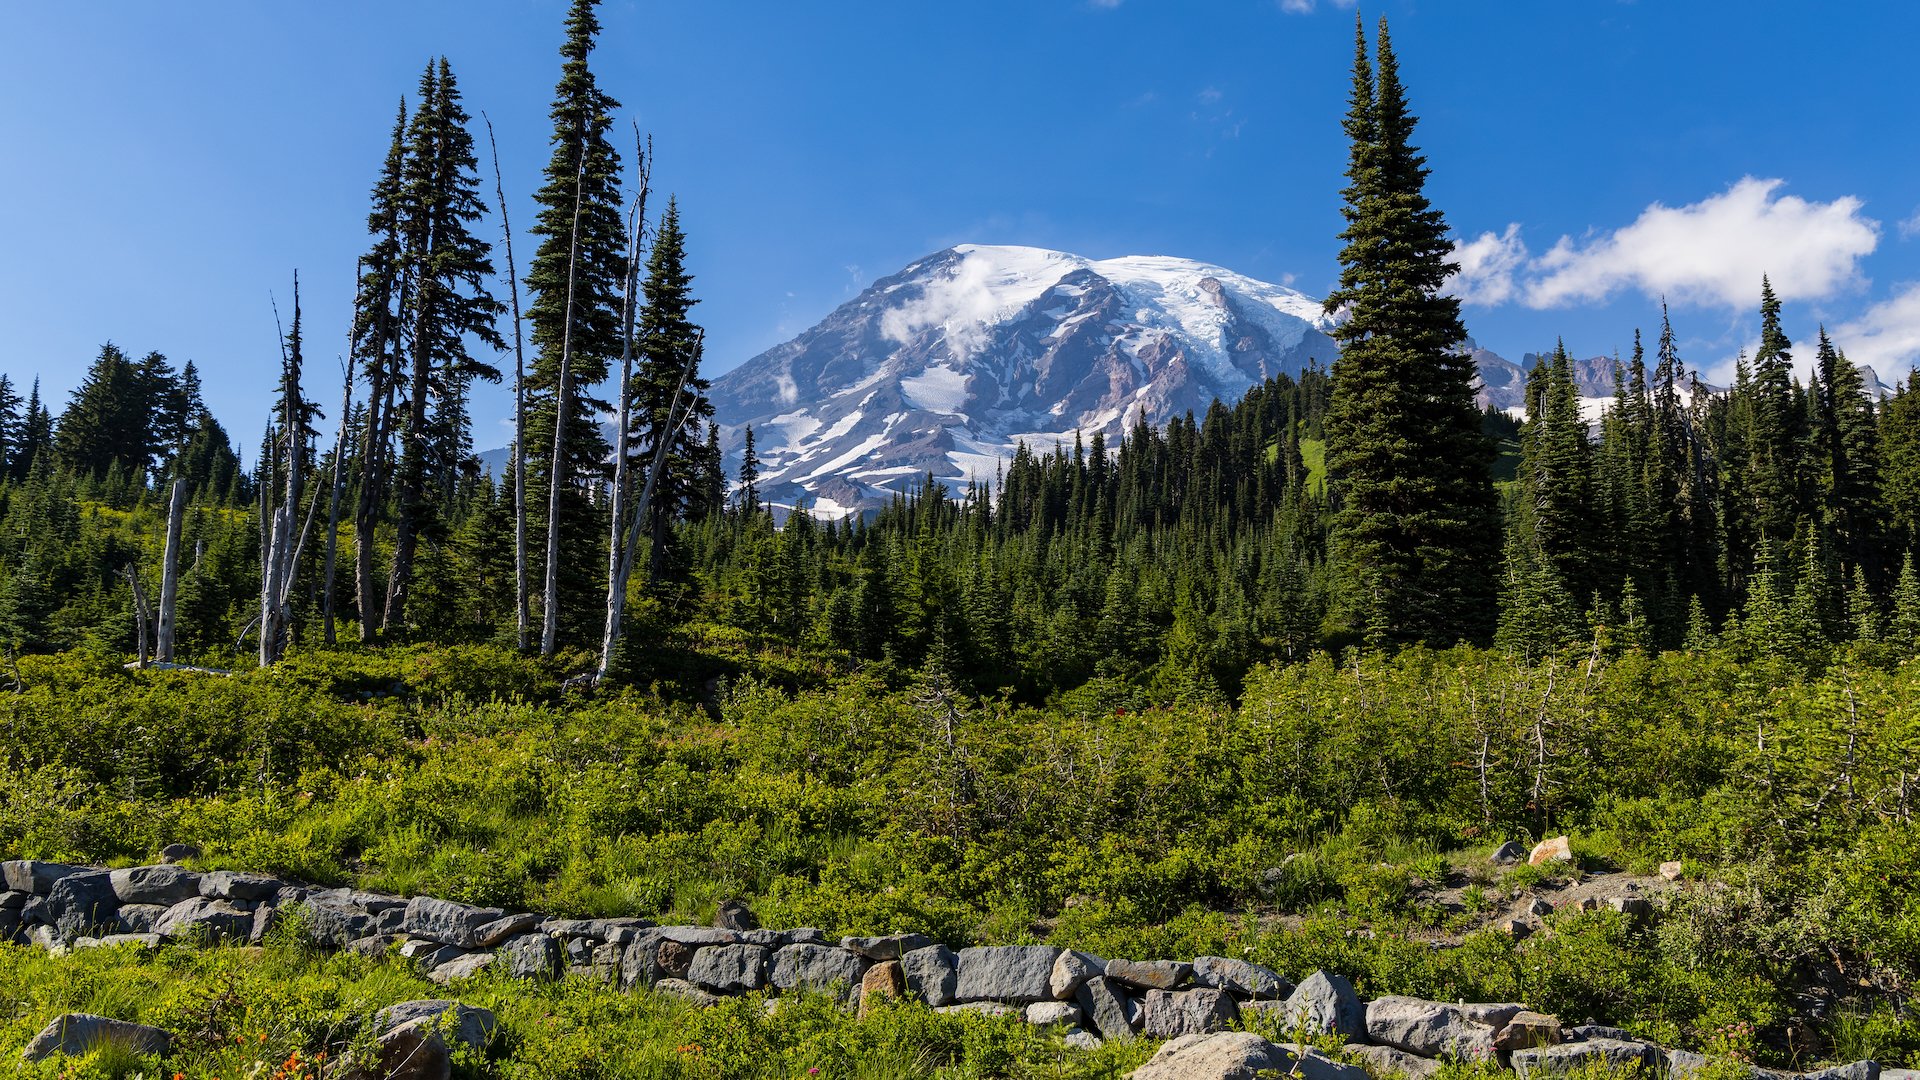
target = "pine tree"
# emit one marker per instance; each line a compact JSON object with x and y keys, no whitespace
{"x":1415,"y":532}
{"x":10,"y":425}
{"x":1906,"y":605}
{"x":105,"y":423}
{"x":1777,"y":467}
{"x":669,"y":396}
{"x":447,"y":266}
{"x":1849,"y":442}
{"x":749,"y":477}
{"x":379,"y":344}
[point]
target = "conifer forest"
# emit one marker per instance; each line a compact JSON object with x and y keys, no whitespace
{"x":1269,"y":681}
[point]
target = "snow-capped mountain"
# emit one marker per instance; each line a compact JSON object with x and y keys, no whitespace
{"x":949,"y":364}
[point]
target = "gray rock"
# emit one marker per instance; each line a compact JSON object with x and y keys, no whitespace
{"x":236,"y":885}
{"x":605,"y":961}
{"x":174,"y":853}
{"x":1682,"y":1064}
{"x":1633,"y":907}
{"x":766,"y":939}
{"x":531,"y":956}
{"x":1387,"y":1061}
{"x":574,"y":928}
{"x":1509,"y":853}
{"x":1082,"y":1039}
{"x":1016,"y":974}
{"x":1326,"y":1004}
{"x":1231,"y":1055}
{"x":890,"y":947}
{"x":1540,"y":907}
{"x":1900,"y":1074}
{"x":335,"y":924}
{"x":932,"y":973}
{"x":1106,"y":1008}
{"x":430,"y":955}
{"x":413,"y":1051}
{"x":461,"y":967}
{"x":1617,"y":1054}
{"x":447,"y":922}
{"x":1428,"y":1028}
{"x":1581,"y":1032}
{"x":265,"y":918}
{"x":139,"y":941}
{"x":807,"y":935}
{"x":27,"y":875}
{"x":499,"y":930}
{"x":373,"y":947}
{"x":1169,"y":1014}
{"x":371,"y":903}
{"x":14,"y":901}
{"x":1149,"y":974}
{"x":1859,"y":1070}
{"x":698,"y":937}
{"x":165,"y":885}
{"x":1048,"y":1013}
{"x":74,"y":1034}
{"x":685,"y":991}
{"x":999,"y":1010}
{"x":729,"y":969}
{"x":212,"y":921}
{"x":817,"y":967}
{"x":1239,"y":977}
{"x":1071,"y":971}
{"x":467,"y":1024}
{"x":140,"y":918}
{"x":640,"y":964}
{"x":82,"y":903}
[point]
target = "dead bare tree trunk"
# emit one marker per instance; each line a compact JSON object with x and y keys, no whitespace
{"x":557,"y":466}
{"x":170,"y":572}
{"x":373,"y":452}
{"x":283,"y":547}
{"x":142,"y":614}
{"x":333,"y":502}
{"x":520,"y":613}
{"x":616,"y":580}
{"x":623,"y":570}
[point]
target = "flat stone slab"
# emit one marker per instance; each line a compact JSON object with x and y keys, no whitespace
{"x":74,"y":1034}
{"x":1014,"y":974}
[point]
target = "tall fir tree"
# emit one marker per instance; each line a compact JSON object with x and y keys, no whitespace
{"x":106,"y":425}
{"x":1847,"y":439}
{"x":1415,"y":530}
{"x":1777,"y":474}
{"x":669,"y":395}
{"x":749,"y":476}
{"x":11,"y":422}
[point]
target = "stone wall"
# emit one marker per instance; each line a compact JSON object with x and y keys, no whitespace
{"x":1193,"y":1003}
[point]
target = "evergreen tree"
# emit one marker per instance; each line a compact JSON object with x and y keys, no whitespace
{"x":749,"y":477}
{"x":1778,"y":431}
{"x":669,"y":396}
{"x":1849,"y":443}
{"x":106,"y":423}
{"x":36,"y":437}
{"x":10,"y":425}
{"x":1899,"y":438}
{"x":1415,"y":529}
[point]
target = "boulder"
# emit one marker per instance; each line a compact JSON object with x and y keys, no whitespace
{"x":265,"y":918}
{"x":374,"y":946}
{"x":1859,"y":1070}
{"x":1565,"y":1058}
{"x":890,"y":947}
{"x":174,"y":853}
{"x":81,"y":903}
{"x":1149,"y":974}
{"x":369,"y":902}
{"x":1509,"y":853}
{"x":818,"y":967}
{"x":13,"y":901}
{"x":165,"y":885}
{"x":806,"y":935}
{"x":697,"y":937}
{"x":685,"y":991}
{"x":1633,"y":907}
{"x":729,"y":969}
{"x":1016,"y":974}
{"x":932,"y":973}
{"x":883,"y":982}
{"x":1070,"y":971}
{"x":1169,"y":1014}
{"x":1231,"y":1055}
{"x":1525,"y":1030}
{"x":74,"y":1034}
{"x":413,"y":1051}
{"x":998,"y":1010}
{"x":735,"y":915}
{"x":1540,"y":906}
{"x":1428,"y":1028}
{"x":1048,"y":1013}
{"x":429,"y":955}
{"x":531,"y":956}
{"x":465,"y":1024}
{"x":1581,"y":1032}
{"x":1387,"y":1061}
{"x":447,"y":922}
{"x":26,"y":875}
{"x":461,"y":967}
{"x":1239,"y":977}
{"x":1558,"y":849}
{"x":201,"y":919}
{"x":510,"y":926}
{"x":336,"y":924}
{"x":139,"y":941}
{"x":1105,"y":1008}
{"x":1673,"y":871}
{"x":766,"y":939}
{"x":1326,"y":1004}
{"x":1494,"y":1014}
{"x":1082,"y":1039}
{"x":140,"y":918}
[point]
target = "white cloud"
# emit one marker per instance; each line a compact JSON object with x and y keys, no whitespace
{"x":1209,"y":96}
{"x":1714,"y":251}
{"x":1489,"y":265}
{"x":1910,"y":228}
{"x":1886,"y":337}
{"x":1104,"y":5}
{"x":1305,"y":7}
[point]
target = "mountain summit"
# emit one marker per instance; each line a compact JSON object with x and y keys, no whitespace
{"x":949,"y":364}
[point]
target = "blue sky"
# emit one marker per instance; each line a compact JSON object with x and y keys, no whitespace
{"x":167,"y":166}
